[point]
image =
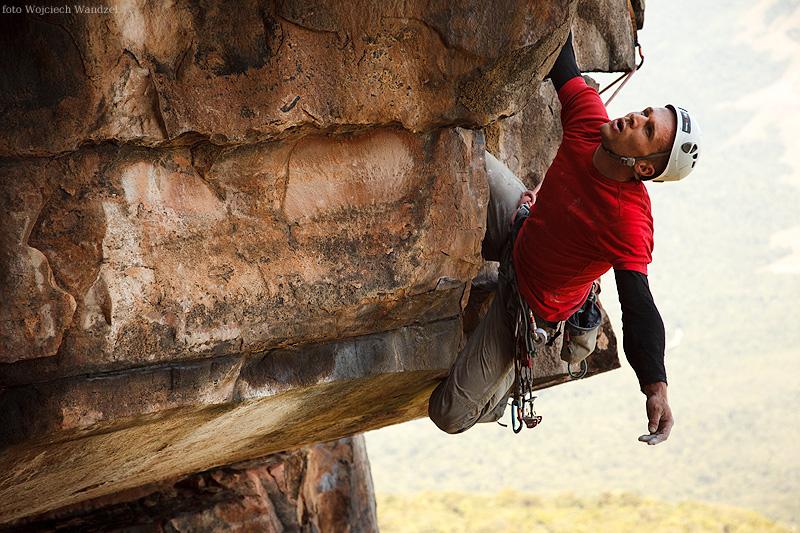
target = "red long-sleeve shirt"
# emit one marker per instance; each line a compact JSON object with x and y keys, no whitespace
{"x":582,"y":223}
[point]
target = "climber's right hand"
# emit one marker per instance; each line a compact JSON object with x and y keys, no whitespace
{"x":659,"y":414}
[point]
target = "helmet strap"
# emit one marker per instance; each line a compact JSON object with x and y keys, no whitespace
{"x":631,"y":161}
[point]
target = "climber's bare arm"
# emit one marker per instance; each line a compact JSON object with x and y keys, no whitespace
{"x":643,"y":342}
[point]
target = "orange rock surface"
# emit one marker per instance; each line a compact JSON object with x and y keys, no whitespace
{"x":232,"y":229}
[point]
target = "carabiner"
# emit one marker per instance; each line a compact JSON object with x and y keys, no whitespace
{"x":581,"y":373}
{"x":539,"y":336}
{"x":515,"y":418}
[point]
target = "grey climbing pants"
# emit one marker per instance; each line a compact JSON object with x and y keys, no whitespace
{"x":480,"y":380}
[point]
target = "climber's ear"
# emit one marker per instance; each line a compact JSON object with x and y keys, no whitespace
{"x":644,"y":168}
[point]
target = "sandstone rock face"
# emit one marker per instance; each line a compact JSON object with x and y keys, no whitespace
{"x":234,"y":229}
{"x":527,"y":141}
{"x":604,"y":32}
{"x":323,"y":487}
{"x":178,"y":253}
{"x":139,"y":73}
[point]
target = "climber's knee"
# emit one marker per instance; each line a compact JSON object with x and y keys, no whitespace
{"x":447,"y":424}
{"x":450,"y":415}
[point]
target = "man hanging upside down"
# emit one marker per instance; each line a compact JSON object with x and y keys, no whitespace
{"x":592,"y":214}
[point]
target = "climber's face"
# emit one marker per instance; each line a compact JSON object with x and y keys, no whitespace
{"x":640,"y":133}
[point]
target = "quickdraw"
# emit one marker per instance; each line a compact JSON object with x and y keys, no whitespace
{"x":527,"y":337}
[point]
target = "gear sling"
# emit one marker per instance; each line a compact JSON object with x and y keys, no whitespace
{"x":580,"y":340}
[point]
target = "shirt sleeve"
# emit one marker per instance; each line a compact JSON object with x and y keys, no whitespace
{"x":565,"y":68}
{"x":642,"y":327}
{"x":629,"y":240}
{"x":582,"y":111}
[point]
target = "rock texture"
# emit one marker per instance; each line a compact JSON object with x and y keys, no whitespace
{"x":138,"y":74}
{"x":232,"y":229}
{"x":604,"y":32}
{"x":320,"y":488}
{"x":179,"y":253}
{"x":527,"y":141}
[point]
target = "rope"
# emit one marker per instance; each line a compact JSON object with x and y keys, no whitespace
{"x":627,"y":76}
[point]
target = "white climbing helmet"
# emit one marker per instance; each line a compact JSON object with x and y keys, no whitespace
{"x":685,"y":149}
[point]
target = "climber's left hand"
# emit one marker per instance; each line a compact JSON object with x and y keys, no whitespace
{"x":659,"y":415}
{"x":527,"y":197}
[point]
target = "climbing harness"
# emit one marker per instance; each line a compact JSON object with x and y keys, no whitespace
{"x":626,"y":76}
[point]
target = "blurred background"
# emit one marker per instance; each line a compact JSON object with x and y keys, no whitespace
{"x":726,"y":278}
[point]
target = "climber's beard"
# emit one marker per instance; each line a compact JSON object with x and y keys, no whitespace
{"x":605,"y":142}
{"x":612,"y":134}
{"x":615,"y":138}
{"x":606,"y":135}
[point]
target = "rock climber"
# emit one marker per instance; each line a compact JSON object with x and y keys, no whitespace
{"x":592,"y":213}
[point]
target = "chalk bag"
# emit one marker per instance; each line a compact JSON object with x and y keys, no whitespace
{"x":581,"y":329}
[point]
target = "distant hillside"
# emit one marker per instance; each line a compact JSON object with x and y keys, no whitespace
{"x":434,"y":512}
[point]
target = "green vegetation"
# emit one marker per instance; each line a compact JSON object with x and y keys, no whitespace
{"x":431,"y":512}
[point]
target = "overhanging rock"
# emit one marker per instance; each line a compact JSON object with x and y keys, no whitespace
{"x":231,"y":230}
{"x":322,"y":487}
{"x":175,"y":254}
{"x":288,"y":294}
